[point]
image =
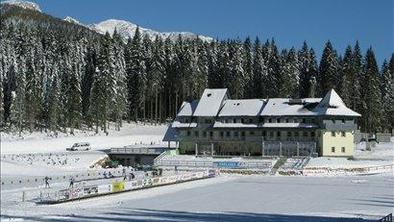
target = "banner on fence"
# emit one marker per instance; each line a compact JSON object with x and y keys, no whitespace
{"x":107,"y":188}
{"x":90,"y":190}
{"x":117,"y":186}
{"x":226,"y":164}
{"x":76,"y":192}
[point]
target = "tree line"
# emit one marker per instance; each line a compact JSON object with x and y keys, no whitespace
{"x":64,"y":78}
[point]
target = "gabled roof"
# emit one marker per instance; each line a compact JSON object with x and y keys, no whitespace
{"x":188,"y":108}
{"x":242,"y":107}
{"x":285,"y":107}
{"x":210,"y":102}
{"x":332,"y":105}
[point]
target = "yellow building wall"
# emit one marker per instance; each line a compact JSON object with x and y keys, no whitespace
{"x":327,"y":141}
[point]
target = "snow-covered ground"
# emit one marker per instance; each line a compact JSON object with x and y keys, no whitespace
{"x":227,"y":198}
{"x":224,"y":198}
{"x":382,"y":154}
{"x":42,"y":143}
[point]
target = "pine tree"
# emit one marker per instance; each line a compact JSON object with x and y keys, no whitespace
{"x":53,"y":105}
{"x":308,"y":72}
{"x":74,"y":106}
{"x":272,"y":82}
{"x":387,"y":91}
{"x":18,"y":100}
{"x":119,"y":103}
{"x":290,"y":75}
{"x":328,"y":71}
{"x":248,"y":67}
{"x":347,"y":77}
{"x":259,"y":71}
{"x":103,"y":85}
{"x":372,"y":110}
{"x":136,"y":75}
{"x":32,"y":96}
{"x":236,"y":76}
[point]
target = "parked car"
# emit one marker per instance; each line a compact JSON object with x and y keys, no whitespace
{"x":79,"y":147}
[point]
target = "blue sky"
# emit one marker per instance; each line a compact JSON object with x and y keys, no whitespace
{"x":289,"y":22}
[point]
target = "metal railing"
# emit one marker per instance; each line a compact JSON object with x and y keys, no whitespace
{"x":214,"y":164}
{"x":129,"y":150}
{"x":388,"y":218}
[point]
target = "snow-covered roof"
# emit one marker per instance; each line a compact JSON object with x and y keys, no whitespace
{"x":177,"y":124}
{"x":171,"y":134}
{"x":210,"y":102}
{"x":242,"y":107}
{"x":286,"y":107}
{"x":234,"y":125}
{"x":215,"y":102}
{"x":332,"y":105}
{"x":289,"y":125}
{"x":188,"y":108}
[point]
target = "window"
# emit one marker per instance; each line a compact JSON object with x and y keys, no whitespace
{"x":196,"y":134}
{"x":287,"y":120}
{"x":343,"y":121}
{"x":278,"y":134}
{"x":221,"y":134}
{"x":264,"y":133}
{"x":250,"y":120}
{"x":296,"y":134}
{"x":333,"y":133}
{"x":305,"y":134}
{"x":312,"y":134}
{"x":204,"y":134}
{"x":211,"y":134}
{"x":343,"y":134}
{"x":303,"y":120}
{"x":278,"y":120}
{"x":332,"y":149}
{"x":234,"y":120}
{"x":236,"y":133}
{"x":271,"y":134}
{"x":242,"y":120}
{"x":243,"y":133}
{"x":261,"y":119}
{"x":228,"y":133}
{"x":188,"y":133}
{"x":251,"y":133}
{"x":207,"y":121}
{"x":288,"y":134}
{"x":270,"y":120}
{"x":343,"y":149}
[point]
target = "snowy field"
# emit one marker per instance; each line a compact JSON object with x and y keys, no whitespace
{"x":228,"y":198}
{"x":40,"y":142}
{"x":224,"y":198}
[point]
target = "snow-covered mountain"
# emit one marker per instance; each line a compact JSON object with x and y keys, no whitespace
{"x":127,"y":29}
{"x":72,"y":20}
{"x":23,"y":4}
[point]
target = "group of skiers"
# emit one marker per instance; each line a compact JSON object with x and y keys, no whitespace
{"x":47,"y":179}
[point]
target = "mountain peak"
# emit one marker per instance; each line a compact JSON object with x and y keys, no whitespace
{"x":72,"y":20}
{"x":127,"y":30}
{"x":23,"y":4}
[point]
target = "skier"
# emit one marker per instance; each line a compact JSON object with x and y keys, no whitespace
{"x":71,"y":182}
{"x":105,"y":174}
{"x":46,"y":179}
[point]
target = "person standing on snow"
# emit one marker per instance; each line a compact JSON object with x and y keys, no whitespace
{"x":46,"y":179}
{"x":71,"y":182}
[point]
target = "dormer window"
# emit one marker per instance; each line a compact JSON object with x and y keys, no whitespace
{"x":209,"y":94}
